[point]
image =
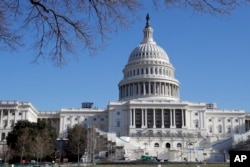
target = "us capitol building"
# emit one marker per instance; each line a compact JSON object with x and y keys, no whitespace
{"x":148,"y":119}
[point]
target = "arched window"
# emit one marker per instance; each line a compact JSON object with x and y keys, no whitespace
{"x":178,"y":145}
{"x":156,"y":144}
{"x":168,"y":145}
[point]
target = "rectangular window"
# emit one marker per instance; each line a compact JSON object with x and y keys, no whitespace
{"x":117,"y":123}
{"x":3,"y":136}
{"x":196,"y":124}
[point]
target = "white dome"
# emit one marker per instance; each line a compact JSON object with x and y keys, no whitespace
{"x":148,"y":51}
{"x":148,"y":73}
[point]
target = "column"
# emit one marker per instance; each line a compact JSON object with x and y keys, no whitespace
{"x":61,"y":124}
{"x":142,"y":118}
{"x":149,"y":88}
{"x":8,"y":118}
{"x":169,"y":89}
{"x":71,"y":120}
{"x":154,"y":88}
{"x":223,"y":125}
{"x":146,"y":118}
{"x":174,"y":118}
{"x":144,"y":88}
{"x":159,"y":88}
{"x":163,"y":88}
{"x":171,"y":118}
{"x":16,"y":112}
{"x":173,"y":90}
{"x":200,"y":119}
{"x":154,"y":118}
{"x":162,"y":118}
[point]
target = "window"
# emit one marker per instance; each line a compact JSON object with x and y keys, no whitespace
{"x":3,"y":136}
{"x":5,"y":112}
{"x":196,"y":124}
{"x":168,"y":145}
{"x":118,"y":113}
{"x":210,"y":120}
{"x":236,"y":120}
{"x":156,"y":71}
{"x":178,"y":145}
{"x":118,"y":123}
{"x":229,"y":130}
{"x":76,"y":119}
{"x":210,"y":130}
{"x":12,"y":123}
{"x":5,"y":123}
{"x":102,"y":119}
{"x":85,"y":126}
{"x":156,"y":145}
{"x":20,"y":113}
{"x":228,"y":120}
{"x":219,"y":120}
{"x":220,"y":129}
{"x":67,"y":127}
{"x":94,"y":119}
{"x":196,"y":113}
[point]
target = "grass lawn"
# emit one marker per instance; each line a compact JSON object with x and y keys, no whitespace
{"x":164,"y":165}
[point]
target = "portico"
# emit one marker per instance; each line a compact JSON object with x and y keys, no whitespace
{"x":157,"y":117}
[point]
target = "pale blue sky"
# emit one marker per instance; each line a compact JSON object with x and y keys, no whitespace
{"x":211,"y":56}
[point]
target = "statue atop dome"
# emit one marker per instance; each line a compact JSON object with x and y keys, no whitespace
{"x":147,"y":23}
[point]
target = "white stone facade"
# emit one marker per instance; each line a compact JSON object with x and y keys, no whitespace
{"x":149,"y":118}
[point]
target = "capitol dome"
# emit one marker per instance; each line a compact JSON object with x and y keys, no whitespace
{"x":148,"y":73}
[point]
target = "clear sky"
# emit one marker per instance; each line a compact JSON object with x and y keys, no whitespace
{"x":211,"y":56}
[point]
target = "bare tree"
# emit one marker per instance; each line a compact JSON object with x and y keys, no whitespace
{"x":42,"y":145}
{"x":24,"y":143}
{"x":60,"y":26}
{"x":6,"y":153}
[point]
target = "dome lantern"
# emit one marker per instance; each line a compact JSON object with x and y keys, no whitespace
{"x":148,"y":32}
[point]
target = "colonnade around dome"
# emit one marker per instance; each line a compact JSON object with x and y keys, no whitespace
{"x":138,"y":89}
